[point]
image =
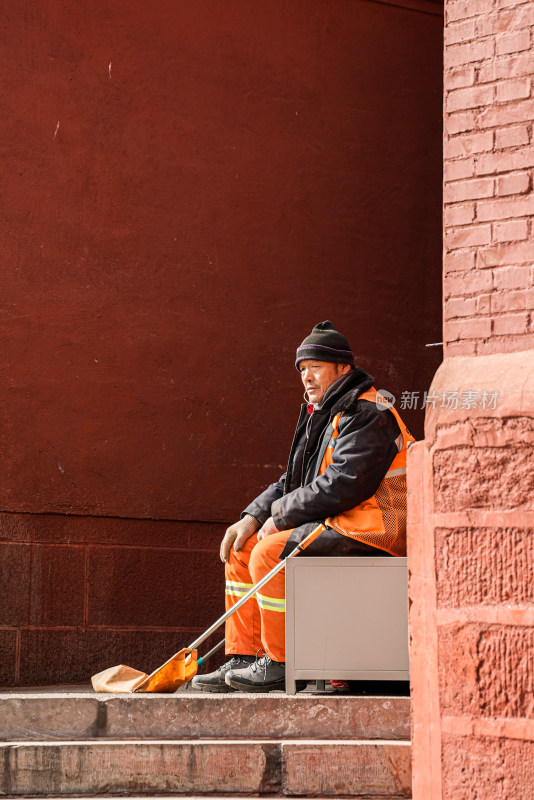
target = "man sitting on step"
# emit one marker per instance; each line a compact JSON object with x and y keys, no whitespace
{"x":346,"y":472}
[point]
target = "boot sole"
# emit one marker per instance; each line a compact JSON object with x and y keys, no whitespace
{"x":205,"y":687}
{"x":255,"y":687}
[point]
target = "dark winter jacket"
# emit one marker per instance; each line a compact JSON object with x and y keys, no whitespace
{"x":363,"y":453}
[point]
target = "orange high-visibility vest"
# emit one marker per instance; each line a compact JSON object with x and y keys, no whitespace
{"x":379,"y":521}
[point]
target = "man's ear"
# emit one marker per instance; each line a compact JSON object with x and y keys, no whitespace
{"x":345,"y":369}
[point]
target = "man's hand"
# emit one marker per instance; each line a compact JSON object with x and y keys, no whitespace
{"x":267,"y":528}
{"x":237,"y":534}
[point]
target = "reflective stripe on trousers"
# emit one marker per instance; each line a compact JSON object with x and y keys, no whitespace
{"x":260,"y":623}
{"x":240,"y":590}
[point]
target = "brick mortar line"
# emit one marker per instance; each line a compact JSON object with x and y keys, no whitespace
{"x":490,"y":339}
{"x":492,"y":82}
{"x":483,"y":37}
{"x":470,"y":296}
{"x":495,"y":313}
{"x":499,"y":268}
{"x":495,"y":242}
{"x":487,"y":176}
{"x":482,"y":518}
{"x":17,"y":654}
{"x":519,"y":728}
{"x":521,"y":616}
{"x":86,"y":586}
{"x":500,"y":290}
{"x":73,"y":515}
{"x":475,"y":110}
{"x":451,"y":3}
{"x":493,"y":152}
{"x":482,"y":347}
{"x":490,"y":129}
{"x":510,"y":317}
{"x":516,"y":443}
{"x":502,"y":151}
{"x":477,"y":221}
{"x":493,"y":85}
{"x":475,"y":249}
{"x":516,"y":102}
{"x":487,"y":37}
{"x":502,"y":338}
{"x":290,"y":743}
{"x":458,"y":226}
{"x":108,"y":546}
{"x":497,"y":291}
{"x":492,"y":316}
{"x":100,"y":628}
{"x":527,"y":264}
{"x":492,"y":176}
{"x":512,"y":197}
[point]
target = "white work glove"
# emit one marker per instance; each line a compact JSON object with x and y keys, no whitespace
{"x":267,"y":528}
{"x":237,"y":534}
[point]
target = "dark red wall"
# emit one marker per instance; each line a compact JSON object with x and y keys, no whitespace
{"x":187,"y":189}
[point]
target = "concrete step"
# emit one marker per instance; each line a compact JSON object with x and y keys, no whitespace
{"x":37,"y":715}
{"x":379,"y":768}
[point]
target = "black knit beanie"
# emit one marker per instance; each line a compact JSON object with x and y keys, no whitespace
{"x":325,"y":343}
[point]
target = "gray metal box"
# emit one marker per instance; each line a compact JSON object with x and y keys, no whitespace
{"x":347,"y":619}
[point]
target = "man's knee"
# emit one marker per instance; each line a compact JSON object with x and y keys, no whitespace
{"x":240,"y":560}
{"x":266,"y":554}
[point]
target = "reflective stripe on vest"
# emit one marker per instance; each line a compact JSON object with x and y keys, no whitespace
{"x":379,"y":521}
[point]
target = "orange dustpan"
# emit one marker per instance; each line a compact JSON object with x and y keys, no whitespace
{"x":183,"y":665}
{"x":177,"y":671}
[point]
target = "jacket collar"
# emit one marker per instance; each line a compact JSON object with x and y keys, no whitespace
{"x":344,"y":392}
{"x":347,"y":398}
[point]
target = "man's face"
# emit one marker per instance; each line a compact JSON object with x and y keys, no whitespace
{"x":318,"y":376}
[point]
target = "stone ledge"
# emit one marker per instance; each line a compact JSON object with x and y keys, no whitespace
{"x":359,"y":769}
{"x":35,"y":715}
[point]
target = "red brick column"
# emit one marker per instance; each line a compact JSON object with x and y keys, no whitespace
{"x":471,"y":481}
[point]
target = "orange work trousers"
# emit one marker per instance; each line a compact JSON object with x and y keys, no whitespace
{"x":260,"y":623}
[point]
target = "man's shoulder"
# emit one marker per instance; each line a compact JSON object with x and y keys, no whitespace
{"x":363,"y":411}
{"x":356,"y":406}
{"x":348,"y":397}
{"x":353,"y":402}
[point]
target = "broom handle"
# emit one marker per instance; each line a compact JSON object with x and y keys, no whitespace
{"x":298,"y":549}
{"x":202,"y":659}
